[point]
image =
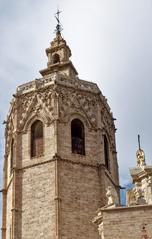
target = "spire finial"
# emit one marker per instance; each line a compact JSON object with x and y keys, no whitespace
{"x":58,"y":26}
{"x":140,"y":155}
{"x":139,"y":141}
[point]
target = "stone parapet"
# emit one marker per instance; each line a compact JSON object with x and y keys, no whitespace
{"x":124,"y":222}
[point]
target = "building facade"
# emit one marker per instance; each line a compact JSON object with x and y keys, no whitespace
{"x":60,"y":154}
{"x":134,"y":220}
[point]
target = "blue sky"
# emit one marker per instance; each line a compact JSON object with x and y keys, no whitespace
{"x":111,"y":43}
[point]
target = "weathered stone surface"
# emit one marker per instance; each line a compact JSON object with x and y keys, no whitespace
{"x":38,"y":201}
{"x":125,"y":222}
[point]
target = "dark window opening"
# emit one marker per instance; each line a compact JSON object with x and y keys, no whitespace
{"x":106,"y":153}
{"x":78,"y":137}
{"x":56,"y":58}
{"x":37,"y":139}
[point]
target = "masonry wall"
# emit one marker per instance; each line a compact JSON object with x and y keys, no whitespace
{"x":81,"y":195}
{"x":94,"y":147}
{"x":38,"y":202}
{"x":127,"y":222}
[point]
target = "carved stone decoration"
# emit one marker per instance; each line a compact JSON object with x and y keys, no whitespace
{"x":142,"y":178}
{"x":107,"y":123}
{"x":112,"y":197}
{"x":39,"y":105}
{"x":140,"y":158}
{"x":139,"y":195}
{"x":101,"y":230}
{"x":77,"y":103}
{"x":130,"y":197}
{"x":9,"y":133}
{"x":99,"y":221}
{"x":149,"y":190}
{"x":11,"y":126}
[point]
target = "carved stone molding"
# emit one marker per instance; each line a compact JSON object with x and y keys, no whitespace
{"x":39,"y":105}
{"x":71,"y":102}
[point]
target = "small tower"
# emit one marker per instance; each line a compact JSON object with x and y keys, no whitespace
{"x":59,"y":55}
{"x":60,"y":154}
{"x":59,"y":58}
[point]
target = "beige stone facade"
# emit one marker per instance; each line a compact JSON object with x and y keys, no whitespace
{"x":56,"y":194}
{"x":125,"y":222}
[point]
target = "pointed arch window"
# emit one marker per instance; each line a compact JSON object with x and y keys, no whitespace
{"x":37,"y":139}
{"x":78,"y":137}
{"x":106,"y":152}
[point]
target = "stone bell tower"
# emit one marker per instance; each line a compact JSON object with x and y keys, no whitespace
{"x":60,"y":153}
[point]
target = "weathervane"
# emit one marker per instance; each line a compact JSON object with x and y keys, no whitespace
{"x":58,"y":26}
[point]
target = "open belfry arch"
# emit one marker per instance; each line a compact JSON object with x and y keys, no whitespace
{"x":58,"y":130}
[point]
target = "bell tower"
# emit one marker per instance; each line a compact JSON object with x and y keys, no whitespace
{"x":60,"y":153}
{"x":59,"y":54}
{"x":58,"y":57}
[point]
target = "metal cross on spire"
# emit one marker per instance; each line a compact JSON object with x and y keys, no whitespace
{"x":58,"y":26}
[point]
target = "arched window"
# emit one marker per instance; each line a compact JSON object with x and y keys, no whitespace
{"x":12,"y":154}
{"x":106,"y":152}
{"x":77,"y":137}
{"x":37,"y":139}
{"x":56,"y":58}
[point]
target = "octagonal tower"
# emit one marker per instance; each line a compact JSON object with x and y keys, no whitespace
{"x":60,"y":154}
